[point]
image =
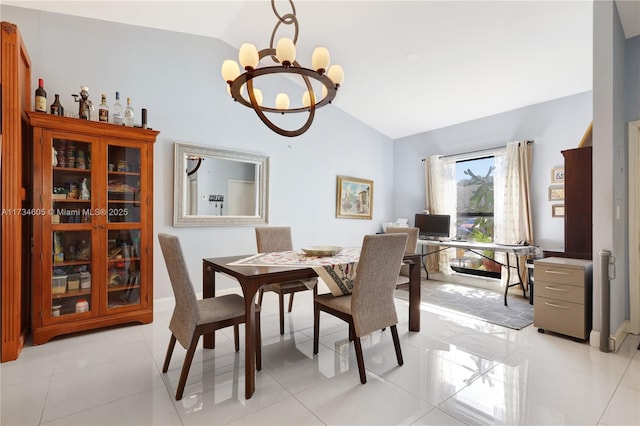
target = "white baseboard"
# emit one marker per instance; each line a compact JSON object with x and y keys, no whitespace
{"x":615,"y":341}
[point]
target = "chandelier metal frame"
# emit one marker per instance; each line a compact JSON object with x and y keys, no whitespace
{"x":285,"y":67}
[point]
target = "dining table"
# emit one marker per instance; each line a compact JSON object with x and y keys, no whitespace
{"x":251,"y":278}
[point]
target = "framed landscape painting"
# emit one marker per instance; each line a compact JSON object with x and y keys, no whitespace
{"x":354,"y":198}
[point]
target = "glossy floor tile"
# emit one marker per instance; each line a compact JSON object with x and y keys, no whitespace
{"x":457,"y":371}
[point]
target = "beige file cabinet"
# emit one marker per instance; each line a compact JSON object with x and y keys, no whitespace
{"x":563,"y":296}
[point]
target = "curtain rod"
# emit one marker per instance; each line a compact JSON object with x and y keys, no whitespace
{"x":487,"y":150}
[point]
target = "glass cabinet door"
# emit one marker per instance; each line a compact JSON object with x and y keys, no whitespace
{"x":123,"y":184}
{"x":71,"y":182}
{"x":71,"y":275}
{"x":71,"y":225}
{"x":124,"y":232}
{"x":123,"y":268}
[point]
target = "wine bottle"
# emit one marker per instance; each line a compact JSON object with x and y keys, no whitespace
{"x":56,"y":106}
{"x":103,"y":109}
{"x":41,"y":97}
{"x":116,"y":111}
{"x":128,"y":114}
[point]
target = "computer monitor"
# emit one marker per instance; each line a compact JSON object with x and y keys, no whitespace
{"x":433,"y":226}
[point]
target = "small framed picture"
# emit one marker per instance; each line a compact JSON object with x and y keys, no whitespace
{"x":557,"y":175}
{"x":557,"y":210}
{"x":556,"y":192}
{"x":354,"y":198}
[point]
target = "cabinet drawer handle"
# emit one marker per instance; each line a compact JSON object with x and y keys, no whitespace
{"x":556,"y":272}
{"x":557,"y":289}
{"x":556,"y":306}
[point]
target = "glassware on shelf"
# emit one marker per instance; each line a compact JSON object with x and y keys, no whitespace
{"x":116,"y":113}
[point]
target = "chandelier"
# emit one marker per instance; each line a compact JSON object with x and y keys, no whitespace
{"x":284,"y":58}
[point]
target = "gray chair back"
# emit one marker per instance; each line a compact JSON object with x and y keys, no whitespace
{"x":412,"y":240}
{"x":185,"y":314}
{"x":372,"y":305}
{"x":274,"y":238}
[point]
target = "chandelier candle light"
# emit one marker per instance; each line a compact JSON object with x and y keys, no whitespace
{"x":284,"y":56}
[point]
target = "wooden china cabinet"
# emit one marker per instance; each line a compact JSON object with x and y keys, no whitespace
{"x":92,"y":261}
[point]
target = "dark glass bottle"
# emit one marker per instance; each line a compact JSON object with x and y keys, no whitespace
{"x":56,"y":106}
{"x":41,"y":97}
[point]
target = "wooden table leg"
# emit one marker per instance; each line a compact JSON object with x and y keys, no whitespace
{"x":249,"y":340}
{"x":414,"y":295}
{"x":208,"y":290}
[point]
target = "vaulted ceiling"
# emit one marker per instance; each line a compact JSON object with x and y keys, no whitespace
{"x":410,"y":66}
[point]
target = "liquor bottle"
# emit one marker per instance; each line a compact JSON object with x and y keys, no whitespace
{"x":41,"y":97}
{"x":56,"y":106}
{"x":116,"y":111}
{"x":103,"y":109}
{"x":128,"y":114}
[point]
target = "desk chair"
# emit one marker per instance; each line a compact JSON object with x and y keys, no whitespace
{"x":371,"y":306}
{"x":412,"y":247}
{"x":193,"y":318}
{"x":270,"y":239}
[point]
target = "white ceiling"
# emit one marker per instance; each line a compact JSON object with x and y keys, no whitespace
{"x":410,"y":66}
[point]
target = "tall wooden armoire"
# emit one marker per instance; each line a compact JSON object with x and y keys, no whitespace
{"x":578,"y":223}
{"x":15,"y":77}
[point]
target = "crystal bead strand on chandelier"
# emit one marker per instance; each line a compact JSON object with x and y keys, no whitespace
{"x":241,"y":88}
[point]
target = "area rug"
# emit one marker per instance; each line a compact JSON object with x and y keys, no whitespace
{"x":487,"y":305}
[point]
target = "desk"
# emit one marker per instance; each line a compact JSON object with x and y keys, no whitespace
{"x":251,"y":278}
{"x":475,"y":247}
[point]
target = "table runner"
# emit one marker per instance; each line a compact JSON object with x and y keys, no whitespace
{"x":338,"y":272}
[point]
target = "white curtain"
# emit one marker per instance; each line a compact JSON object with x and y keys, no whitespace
{"x":440,"y":180}
{"x":512,"y":208}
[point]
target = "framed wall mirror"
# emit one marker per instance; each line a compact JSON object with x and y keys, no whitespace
{"x":219,"y":187}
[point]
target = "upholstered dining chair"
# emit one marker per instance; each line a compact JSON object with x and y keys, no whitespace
{"x":193,"y":318}
{"x":370,"y":306}
{"x":278,"y":238}
{"x":412,"y":247}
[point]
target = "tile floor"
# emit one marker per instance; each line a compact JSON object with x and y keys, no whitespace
{"x":457,"y":371}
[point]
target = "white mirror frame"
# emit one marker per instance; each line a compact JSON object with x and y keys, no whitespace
{"x":180,"y":219}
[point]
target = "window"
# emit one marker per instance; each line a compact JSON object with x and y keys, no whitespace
{"x":474,"y":212}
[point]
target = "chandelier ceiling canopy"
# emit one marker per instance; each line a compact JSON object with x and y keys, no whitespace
{"x":241,"y":86}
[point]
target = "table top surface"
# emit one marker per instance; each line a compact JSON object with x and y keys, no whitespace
{"x":511,"y":248}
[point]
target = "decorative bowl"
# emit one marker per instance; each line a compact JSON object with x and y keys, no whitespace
{"x":321,"y":250}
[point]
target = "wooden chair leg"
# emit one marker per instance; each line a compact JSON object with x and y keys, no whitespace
{"x":236,"y":337}
{"x":167,"y":357}
{"x":281,"y":303}
{"x":396,"y":344}
{"x":360,"y":359}
{"x":291,"y":301}
{"x":258,"y":343}
{"x":260,"y":294}
{"x":186,"y":366}
{"x":316,"y":327}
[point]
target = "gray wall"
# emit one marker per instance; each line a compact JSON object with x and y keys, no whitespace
{"x":553,"y":126}
{"x":610,"y":231}
{"x":632,"y":78}
{"x":176,"y":77}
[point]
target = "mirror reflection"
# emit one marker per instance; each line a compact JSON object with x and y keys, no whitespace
{"x":215,"y":186}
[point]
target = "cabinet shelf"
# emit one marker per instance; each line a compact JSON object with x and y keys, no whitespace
{"x":137,"y":202}
{"x":72,"y":170}
{"x":70,"y":200}
{"x":128,"y":259}
{"x":121,"y":287}
{"x":72,"y":263}
{"x":72,"y":293}
{"x":124,"y":173}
